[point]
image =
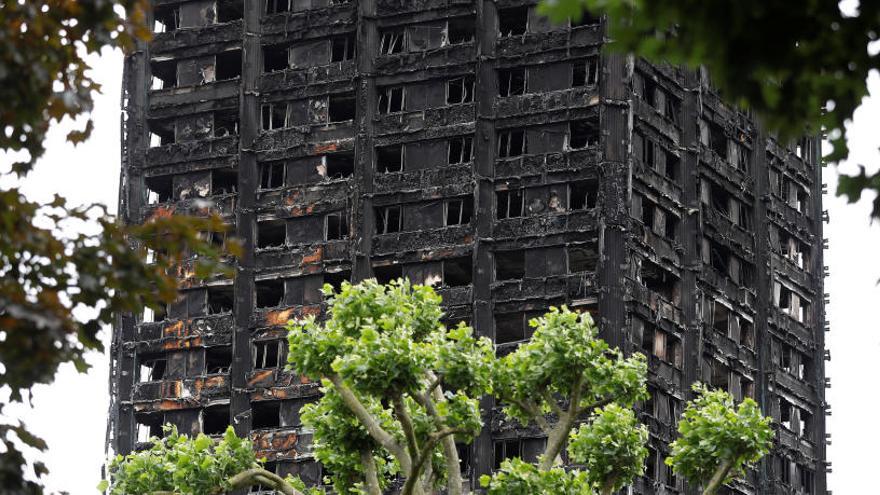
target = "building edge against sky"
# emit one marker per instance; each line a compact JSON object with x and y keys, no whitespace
{"x":474,"y":145}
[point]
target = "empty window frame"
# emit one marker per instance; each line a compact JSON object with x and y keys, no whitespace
{"x":659,"y":280}
{"x":585,"y":72}
{"x":342,"y":48}
{"x":510,"y":327}
{"x":460,"y":90}
{"x":391,"y":99}
{"x":277,"y":6}
{"x":583,"y":133}
{"x":272,"y":175}
{"x":390,"y":159}
{"x":512,"y":143}
{"x":225,"y":123}
{"x":582,"y":257}
{"x":215,"y":419}
{"x":582,"y":194}
{"x":457,"y":272}
{"x":341,"y":107}
{"x":162,"y":132}
{"x":271,"y":233}
{"x":265,"y":414}
{"x":159,"y":189}
{"x":336,"y":226}
{"x":228,"y":65}
{"x":712,"y":136}
{"x":275,"y":58}
{"x":392,"y":41}
{"x":719,"y":376}
{"x":166,"y":19}
{"x":218,"y":359}
{"x":151,"y":368}
{"x":268,"y":354}
{"x":664,"y":345}
{"x":335,"y":279}
{"x":164,"y":73}
{"x":220,"y":299}
{"x":461,"y":150}
{"x":510,"y":265}
{"x":384,"y":274}
{"x":274,"y":115}
{"x":339,"y":165}
{"x":389,"y":219}
{"x":513,"y":21}
{"x":512,"y":81}
{"x":459,"y":30}
{"x":509,"y":204}
{"x":807,"y":480}
{"x":270,"y":293}
{"x":229,"y":10}
{"x":458,"y":211}
{"x":148,"y":426}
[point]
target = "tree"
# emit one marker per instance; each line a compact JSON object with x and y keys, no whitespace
{"x":47,"y":272}
{"x":802,"y":67}
{"x":400,"y":390}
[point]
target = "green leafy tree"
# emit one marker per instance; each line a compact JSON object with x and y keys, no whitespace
{"x":803,"y":68}
{"x":718,"y":439}
{"x":400,"y":389}
{"x":48,"y":268}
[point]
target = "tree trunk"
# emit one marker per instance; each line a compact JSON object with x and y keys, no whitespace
{"x":718,"y":477}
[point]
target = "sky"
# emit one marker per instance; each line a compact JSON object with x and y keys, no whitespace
{"x":71,"y":413}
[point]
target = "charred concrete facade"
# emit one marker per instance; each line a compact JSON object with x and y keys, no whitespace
{"x":474,"y":145}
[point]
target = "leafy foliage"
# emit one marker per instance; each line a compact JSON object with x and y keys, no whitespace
{"x":49,"y":268}
{"x":718,"y":439}
{"x":183,"y":465}
{"x":803,"y":70}
{"x":517,"y":477}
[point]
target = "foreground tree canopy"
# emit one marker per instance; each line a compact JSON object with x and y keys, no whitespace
{"x":50,"y":266}
{"x":400,"y":390}
{"x":802,"y":66}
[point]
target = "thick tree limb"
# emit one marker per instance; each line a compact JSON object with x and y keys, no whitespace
{"x":450,"y":452}
{"x":371,"y":475}
{"x":371,"y":423}
{"x":256,"y":476}
{"x":556,"y":438}
{"x":406,"y":423}
{"x":425,"y":455}
{"x":718,"y":477}
{"x":554,"y":406}
{"x":533,"y":410}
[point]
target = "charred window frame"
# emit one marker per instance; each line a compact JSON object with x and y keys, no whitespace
{"x":269,"y":293}
{"x":158,"y":189}
{"x":512,"y":143}
{"x":148,"y":426}
{"x":151,"y":368}
{"x":664,"y":345}
{"x":338,"y":165}
{"x":390,"y":159}
{"x":513,"y":21}
{"x":582,"y":258}
{"x":267,"y":354}
{"x":224,"y":181}
{"x":509,"y":265}
{"x":528,"y":449}
{"x":164,"y":73}
{"x":341,"y":107}
{"x":166,"y":19}
{"x":162,"y":132}
{"x":214,"y":419}
{"x":228,"y":65}
{"x":265,"y":414}
{"x":392,"y":99}
{"x":461,"y":150}
{"x":271,"y":233}
{"x":459,"y":31}
{"x":220,"y":299}
{"x":583,"y":133}
{"x":384,"y":274}
{"x":458,"y":211}
{"x":713,"y":137}
{"x":460,"y":90}
{"x":509,"y":203}
{"x":512,"y":81}
{"x":807,"y":479}
{"x":276,"y":58}
{"x":585,"y":72}
{"x":218,"y":359}
{"x":392,"y":41}
{"x":272,"y":175}
{"x":277,"y":6}
{"x":586,"y":19}
{"x":659,"y":280}
{"x":273,"y":115}
{"x":342,"y":48}
{"x":457,"y":272}
{"x":229,"y":10}
{"x":225,"y":123}
{"x":336,"y":226}
{"x":389,"y":219}
{"x":582,"y":194}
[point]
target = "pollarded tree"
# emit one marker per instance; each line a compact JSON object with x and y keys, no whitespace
{"x":400,"y":389}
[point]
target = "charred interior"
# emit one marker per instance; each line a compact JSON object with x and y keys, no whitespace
{"x":476,"y":146}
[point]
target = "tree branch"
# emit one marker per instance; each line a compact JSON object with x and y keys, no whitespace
{"x":596,"y":405}
{"x":450,"y":452}
{"x":554,"y":406}
{"x":425,"y":454}
{"x":532,"y":408}
{"x":371,"y":423}
{"x":607,"y":487}
{"x":556,"y":438}
{"x":255,"y":476}
{"x":371,"y":475}
{"x":406,"y":423}
{"x":718,"y":477}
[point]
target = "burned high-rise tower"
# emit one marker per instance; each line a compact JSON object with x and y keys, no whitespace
{"x":477,"y":146}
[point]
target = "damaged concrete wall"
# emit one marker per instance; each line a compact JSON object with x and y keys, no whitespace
{"x":473,"y":145}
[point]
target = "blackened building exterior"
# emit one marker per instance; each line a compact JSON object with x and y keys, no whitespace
{"x":474,"y":145}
